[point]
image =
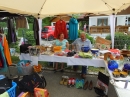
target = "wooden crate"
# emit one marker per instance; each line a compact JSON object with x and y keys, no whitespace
{"x":102,"y":41}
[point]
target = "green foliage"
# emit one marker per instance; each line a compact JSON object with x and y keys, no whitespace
{"x":15,"y":59}
{"x":46,"y":21}
{"x":91,"y":39}
{"x":30,"y":19}
{"x":3,"y":24}
{"x":79,"y":31}
{"x":15,"y":45}
{"x":87,"y":36}
{"x":20,"y":31}
{"x":120,"y":40}
{"x":30,"y":37}
{"x":76,"y":15}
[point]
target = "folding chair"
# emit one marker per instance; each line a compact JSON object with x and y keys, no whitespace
{"x":102,"y":85}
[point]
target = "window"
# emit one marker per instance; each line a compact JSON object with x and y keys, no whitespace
{"x":102,"y":22}
{"x":45,"y":29}
{"x":128,"y":20}
{"x":53,"y":28}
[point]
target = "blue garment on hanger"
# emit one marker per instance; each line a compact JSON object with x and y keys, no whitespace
{"x":3,"y":58}
{"x":73,"y":29}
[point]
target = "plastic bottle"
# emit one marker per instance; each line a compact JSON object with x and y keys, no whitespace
{"x":125,"y":47}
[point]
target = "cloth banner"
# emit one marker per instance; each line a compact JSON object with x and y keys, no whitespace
{"x":112,"y":28}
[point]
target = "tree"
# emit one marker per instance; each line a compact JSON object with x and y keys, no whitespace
{"x":46,"y":21}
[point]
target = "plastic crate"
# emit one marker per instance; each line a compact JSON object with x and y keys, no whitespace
{"x":12,"y":90}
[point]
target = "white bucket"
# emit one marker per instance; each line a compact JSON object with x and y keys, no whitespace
{"x":12,"y":51}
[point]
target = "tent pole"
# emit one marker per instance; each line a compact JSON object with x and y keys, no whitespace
{"x":40,"y":29}
{"x":23,"y":36}
{"x":112,"y":28}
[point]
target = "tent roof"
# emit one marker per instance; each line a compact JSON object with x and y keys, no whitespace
{"x":44,"y":8}
{"x":123,"y":12}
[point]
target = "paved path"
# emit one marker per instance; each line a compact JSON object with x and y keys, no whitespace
{"x":57,"y":90}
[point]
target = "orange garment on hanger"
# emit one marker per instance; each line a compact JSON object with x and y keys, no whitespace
{"x":7,"y":52}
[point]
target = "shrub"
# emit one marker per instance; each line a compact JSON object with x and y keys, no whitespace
{"x":87,"y":36}
{"x":120,"y":40}
{"x":15,"y":45}
{"x":30,"y":37}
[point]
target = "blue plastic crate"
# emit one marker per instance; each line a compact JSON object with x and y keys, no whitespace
{"x":12,"y":90}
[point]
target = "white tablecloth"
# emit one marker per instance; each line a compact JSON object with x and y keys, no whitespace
{"x":69,"y":60}
{"x":87,"y":62}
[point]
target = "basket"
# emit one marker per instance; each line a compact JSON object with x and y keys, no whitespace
{"x":24,"y":67}
{"x":27,"y":70}
{"x":12,"y":90}
{"x":102,"y":41}
{"x":37,"y":68}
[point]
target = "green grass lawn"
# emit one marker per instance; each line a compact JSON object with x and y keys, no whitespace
{"x":15,"y":59}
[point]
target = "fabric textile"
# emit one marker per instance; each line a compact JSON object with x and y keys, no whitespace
{"x":1,"y":30}
{"x":73,"y":29}
{"x":11,"y":31}
{"x":36,"y":29}
{"x":5,"y":94}
{"x":84,"y":69}
{"x":69,"y":60}
{"x":61,"y":43}
{"x":3,"y":59}
{"x":2,"y":38}
{"x":21,"y":22}
{"x":7,"y":52}
{"x":60,"y":27}
{"x":78,"y":43}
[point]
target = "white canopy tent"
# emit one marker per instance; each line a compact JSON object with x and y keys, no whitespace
{"x":45,"y":8}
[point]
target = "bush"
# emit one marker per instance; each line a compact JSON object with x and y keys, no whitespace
{"x":15,"y":45}
{"x":20,"y":30}
{"x":87,"y":36}
{"x":90,"y":38}
{"x":30,"y":37}
{"x":120,"y":40}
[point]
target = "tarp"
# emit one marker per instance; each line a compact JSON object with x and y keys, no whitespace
{"x":43,"y":8}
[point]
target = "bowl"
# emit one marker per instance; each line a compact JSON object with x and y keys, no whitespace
{"x":112,"y":65}
{"x":94,"y":51}
{"x":85,"y":49}
{"x":127,"y":66}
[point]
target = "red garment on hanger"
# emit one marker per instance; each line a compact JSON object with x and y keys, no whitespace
{"x":1,"y":65}
{"x":60,"y":27}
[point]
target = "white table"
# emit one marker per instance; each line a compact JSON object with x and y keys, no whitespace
{"x":69,"y":60}
{"x":119,"y":85}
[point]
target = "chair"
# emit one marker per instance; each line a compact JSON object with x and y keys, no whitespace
{"x":102,"y":85}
